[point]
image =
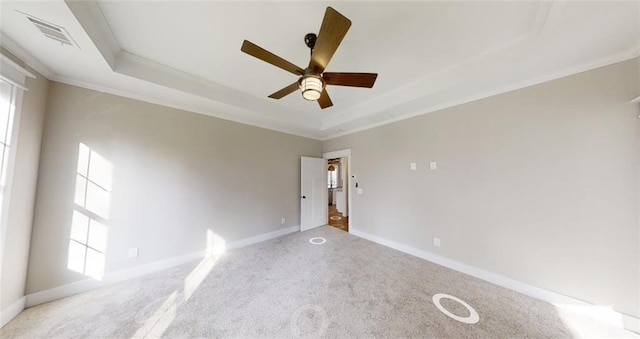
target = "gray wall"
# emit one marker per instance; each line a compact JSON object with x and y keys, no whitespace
{"x":23,"y":191}
{"x":539,"y":184}
{"x":176,"y":175}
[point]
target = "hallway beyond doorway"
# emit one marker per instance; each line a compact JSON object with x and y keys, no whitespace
{"x":337,"y":220}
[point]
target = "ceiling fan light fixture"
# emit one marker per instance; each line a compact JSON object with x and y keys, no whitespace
{"x":311,"y":87}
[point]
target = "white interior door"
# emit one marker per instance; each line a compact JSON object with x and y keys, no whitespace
{"x":313,"y":193}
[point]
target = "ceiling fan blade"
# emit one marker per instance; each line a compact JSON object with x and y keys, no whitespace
{"x":285,"y":91}
{"x":324,"y":100}
{"x":334,"y":28}
{"x":264,"y":55}
{"x":350,"y":79}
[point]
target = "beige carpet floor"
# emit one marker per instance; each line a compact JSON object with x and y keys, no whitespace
{"x":286,"y":287}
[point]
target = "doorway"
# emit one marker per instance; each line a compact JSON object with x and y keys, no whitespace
{"x":338,"y":189}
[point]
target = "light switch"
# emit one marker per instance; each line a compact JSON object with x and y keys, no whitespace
{"x":413,"y":166}
{"x":432,"y":165}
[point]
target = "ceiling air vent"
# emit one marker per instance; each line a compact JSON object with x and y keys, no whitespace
{"x":51,"y":31}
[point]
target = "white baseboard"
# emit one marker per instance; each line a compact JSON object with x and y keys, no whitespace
{"x":12,"y":311}
{"x":612,"y":317}
{"x":41,"y":297}
{"x":631,"y":323}
{"x":138,"y":271}
{"x":262,"y":237}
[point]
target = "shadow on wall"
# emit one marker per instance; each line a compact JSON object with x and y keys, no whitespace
{"x":89,"y":230}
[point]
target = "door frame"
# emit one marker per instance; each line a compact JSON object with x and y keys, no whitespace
{"x":340,"y":154}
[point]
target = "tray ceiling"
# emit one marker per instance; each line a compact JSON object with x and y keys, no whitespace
{"x":429,"y":55}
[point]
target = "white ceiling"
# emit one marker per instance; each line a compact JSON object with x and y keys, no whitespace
{"x":429,"y":55}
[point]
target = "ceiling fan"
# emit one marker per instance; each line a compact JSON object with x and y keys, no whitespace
{"x":313,"y":79}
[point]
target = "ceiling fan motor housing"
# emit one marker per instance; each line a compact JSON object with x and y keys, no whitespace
{"x":310,"y":40}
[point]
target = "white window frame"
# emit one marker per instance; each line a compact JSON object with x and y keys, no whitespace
{"x":16,"y":75}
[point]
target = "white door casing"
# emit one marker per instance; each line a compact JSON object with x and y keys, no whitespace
{"x":313,"y":193}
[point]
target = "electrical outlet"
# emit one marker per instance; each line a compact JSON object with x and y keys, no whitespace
{"x":133,"y":252}
{"x":413,"y":166}
{"x":436,"y":242}
{"x":433,"y":165}
{"x":283,"y":220}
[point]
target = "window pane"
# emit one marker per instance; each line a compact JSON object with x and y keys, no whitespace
{"x":81,"y":185}
{"x":5,"y":109}
{"x":79,"y":227}
{"x":97,"y":200}
{"x":98,"y":236}
{"x":95,"y":264}
{"x":76,"y":256}
{"x":100,"y":171}
{"x":83,"y":159}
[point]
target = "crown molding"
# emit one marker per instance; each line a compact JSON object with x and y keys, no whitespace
{"x":606,"y":61}
{"x":144,"y":69}
{"x":214,"y":110}
{"x":25,"y":72}
{"x":24,"y":56}
{"x":546,"y":15}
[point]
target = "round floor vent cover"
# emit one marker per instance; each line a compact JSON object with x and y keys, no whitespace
{"x":317,"y":240}
{"x":473,"y":315}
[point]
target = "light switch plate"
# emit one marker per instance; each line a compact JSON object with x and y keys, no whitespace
{"x":359,"y":190}
{"x":436,"y":242}
{"x":133,"y":252}
{"x":413,"y":166}
{"x":433,"y":165}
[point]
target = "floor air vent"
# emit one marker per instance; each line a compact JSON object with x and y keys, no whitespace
{"x":51,"y":31}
